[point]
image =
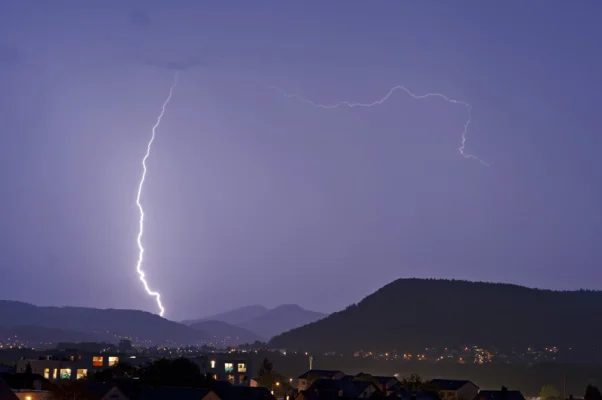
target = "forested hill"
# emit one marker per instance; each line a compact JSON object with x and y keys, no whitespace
{"x":411,"y":314}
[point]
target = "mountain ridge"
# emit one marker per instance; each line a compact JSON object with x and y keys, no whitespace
{"x":409,"y":314}
{"x":263,"y":321}
{"x":116,"y":323}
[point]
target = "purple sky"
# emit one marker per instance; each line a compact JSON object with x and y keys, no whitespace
{"x":255,"y":198}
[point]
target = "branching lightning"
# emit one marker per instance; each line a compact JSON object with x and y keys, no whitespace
{"x":141,"y":273}
{"x":385,"y":98}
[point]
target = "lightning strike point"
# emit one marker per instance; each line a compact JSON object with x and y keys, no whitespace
{"x":385,"y":98}
{"x":139,"y":269}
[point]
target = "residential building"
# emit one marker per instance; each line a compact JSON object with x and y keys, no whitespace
{"x":306,"y":379}
{"x":503,"y":394}
{"x":72,"y":365}
{"x":29,"y":386}
{"x":6,"y":393}
{"x":333,"y":388}
{"x":160,"y":393}
{"x":451,"y":389}
{"x":226,"y":367}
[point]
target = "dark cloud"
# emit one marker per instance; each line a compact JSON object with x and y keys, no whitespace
{"x":9,"y":54}
{"x":139,"y":19}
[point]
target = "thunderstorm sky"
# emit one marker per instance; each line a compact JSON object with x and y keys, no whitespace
{"x":252,"y":197}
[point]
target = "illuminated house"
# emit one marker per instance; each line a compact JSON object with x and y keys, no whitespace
{"x":451,"y":389}
{"x":225,"y":367}
{"x":69,"y":365}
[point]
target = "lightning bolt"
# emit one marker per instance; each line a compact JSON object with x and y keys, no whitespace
{"x":141,"y":273}
{"x":385,"y":98}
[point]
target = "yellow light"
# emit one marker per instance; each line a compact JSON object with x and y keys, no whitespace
{"x":28,"y":398}
{"x":277,"y":383}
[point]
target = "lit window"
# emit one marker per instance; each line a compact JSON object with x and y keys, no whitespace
{"x":212,"y":363}
{"x":71,"y":358}
{"x":55,"y":373}
{"x":97,"y":361}
{"x":242,"y":367}
{"x":231,"y":379}
{"x":113,"y":361}
{"x":82,"y":373}
{"x":46,"y":373}
{"x":229,"y":367}
{"x":65,"y":373}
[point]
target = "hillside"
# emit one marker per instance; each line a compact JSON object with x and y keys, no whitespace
{"x":138,"y":325}
{"x":263,"y":321}
{"x":44,"y":337}
{"x":227,"y":334}
{"x":234,"y":317}
{"x":411,"y":314}
{"x":281,"y":319}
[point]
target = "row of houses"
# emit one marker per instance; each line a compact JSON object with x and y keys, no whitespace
{"x":75,"y":365}
{"x":21,"y":386}
{"x":327,"y":384}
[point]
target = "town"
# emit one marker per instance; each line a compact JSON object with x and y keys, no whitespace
{"x":100,"y":371}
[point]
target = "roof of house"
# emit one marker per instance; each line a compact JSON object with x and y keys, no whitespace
{"x":501,"y":395}
{"x":450,"y":384}
{"x":5,"y":391}
{"x":385,"y":379}
{"x":227,"y":391}
{"x":349,"y":388}
{"x":23,"y":381}
{"x":409,"y":395}
{"x":320,"y":373}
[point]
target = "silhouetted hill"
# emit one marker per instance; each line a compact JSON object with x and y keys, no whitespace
{"x":139,"y":325}
{"x":48,"y":337}
{"x":229,"y":335}
{"x":411,"y":314}
{"x":234,"y":317}
{"x":265,"y":322}
{"x":281,"y":319}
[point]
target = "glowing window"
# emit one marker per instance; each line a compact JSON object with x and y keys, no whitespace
{"x":231,"y":379}
{"x":212,"y":363}
{"x":242,"y":367}
{"x":97,"y":361}
{"x":82,"y":373}
{"x":65,"y":373}
{"x":55,"y":373}
{"x":229,"y":367}
{"x":113,"y":361}
{"x":46,"y":373}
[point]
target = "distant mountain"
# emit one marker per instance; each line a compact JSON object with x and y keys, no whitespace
{"x":47,"y":337}
{"x":234,"y":317}
{"x":281,"y":319}
{"x":229,"y":335}
{"x":265,"y":322}
{"x":138,"y":325}
{"x":411,"y":314}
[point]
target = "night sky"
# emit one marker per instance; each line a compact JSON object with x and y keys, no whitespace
{"x":255,"y":198}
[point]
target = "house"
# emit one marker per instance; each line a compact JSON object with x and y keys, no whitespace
{"x":30,"y":386}
{"x":386,"y":384}
{"x":451,"y":389}
{"x":409,"y":395}
{"x":225,"y":367}
{"x":227,"y":391}
{"x":306,"y":379}
{"x":159,"y":393}
{"x":338,"y":388}
{"x":503,"y":394}
{"x":6,"y":392}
